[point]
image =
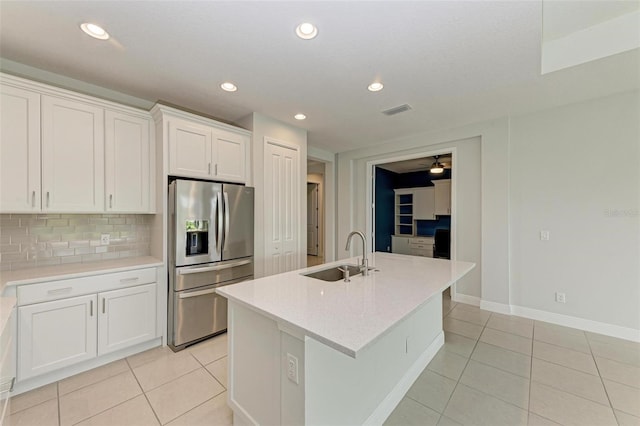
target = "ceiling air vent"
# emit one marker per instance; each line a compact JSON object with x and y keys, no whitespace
{"x":397,"y":110}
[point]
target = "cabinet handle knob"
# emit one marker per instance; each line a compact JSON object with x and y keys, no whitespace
{"x":216,"y":173}
{"x":103,"y":305}
{"x":209,"y":168}
{"x":33,"y":198}
{"x":110,"y":200}
{"x":91,"y":308}
{"x":47,"y":198}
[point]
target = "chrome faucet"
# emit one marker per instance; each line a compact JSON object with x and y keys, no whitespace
{"x":364,"y":266}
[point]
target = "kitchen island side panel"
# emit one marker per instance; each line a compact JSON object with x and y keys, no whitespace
{"x":340,"y":389}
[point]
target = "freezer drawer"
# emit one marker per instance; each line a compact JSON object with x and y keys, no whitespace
{"x":190,"y":277}
{"x":197,"y":314}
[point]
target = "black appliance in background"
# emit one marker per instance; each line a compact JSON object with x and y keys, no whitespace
{"x":442,"y":244}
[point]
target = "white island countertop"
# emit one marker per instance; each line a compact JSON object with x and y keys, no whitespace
{"x":349,"y":316}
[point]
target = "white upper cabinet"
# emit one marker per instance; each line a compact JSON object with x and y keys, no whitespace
{"x":203,"y":148}
{"x":229,"y":157}
{"x":72,"y":156}
{"x":190,"y":149}
{"x":423,"y":203}
{"x":442,"y":196}
{"x":19,"y":150}
{"x":127,"y":163}
{"x":56,"y":155}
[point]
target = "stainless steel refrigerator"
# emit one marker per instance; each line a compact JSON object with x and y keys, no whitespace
{"x":210,"y":245}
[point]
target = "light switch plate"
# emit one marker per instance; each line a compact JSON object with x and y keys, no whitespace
{"x":292,"y":368}
{"x":105,"y":239}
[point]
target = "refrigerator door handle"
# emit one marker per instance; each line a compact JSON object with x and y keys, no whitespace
{"x":226,"y":216}
{"x":199,"y":270}
{"x":219,"y":212}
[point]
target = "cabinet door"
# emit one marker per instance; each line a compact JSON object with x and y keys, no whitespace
{"x":127,"y":317}
{"x":56,"y":334}
{"x":229,"y":157}
{"x":190,"y":149}
{"x":72,"y":156}
{"x":127,"y":163}
{"x":19,"y":150}
{"x":400,"y":245}
{"x":443,"y":197}
{"x":424,"y":204}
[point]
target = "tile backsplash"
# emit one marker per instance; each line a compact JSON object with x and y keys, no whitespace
{"x":31,"y":240}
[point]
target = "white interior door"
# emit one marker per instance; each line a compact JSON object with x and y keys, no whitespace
{"x":282,"y":208}
{"x":312,"y":219}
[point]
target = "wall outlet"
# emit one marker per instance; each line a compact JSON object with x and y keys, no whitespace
{"x":561,"y":298}
{"x":292,"y":368}
{"x":544,"y":235}
{"x":105,"y":239}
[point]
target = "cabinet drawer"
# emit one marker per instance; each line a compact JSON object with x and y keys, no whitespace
{"x":428,"y":252}
{"x":54,"y":290}
{"x":421,"y":241}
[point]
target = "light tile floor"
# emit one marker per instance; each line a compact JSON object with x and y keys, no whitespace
{"x":499,"y":370}
{"x":151,"y":388}
{"x":493,"y":370}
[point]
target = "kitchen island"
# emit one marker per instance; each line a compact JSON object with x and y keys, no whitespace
{"x":307,"y":351}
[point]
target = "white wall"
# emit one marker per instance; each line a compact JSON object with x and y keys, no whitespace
{"x":263,"y":126}
{"x":591,"y":257}
{"x":572,"y":168}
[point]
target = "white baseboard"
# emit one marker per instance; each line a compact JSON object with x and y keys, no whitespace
{"x":501,"y":308}
{"x":579,"y":323}
{"x":465,"y":298}
{"x":392,"y":400}
{"x":612,"y":330}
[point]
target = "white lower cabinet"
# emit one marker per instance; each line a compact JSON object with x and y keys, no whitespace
{"x":58,"y":327}
{"x":56,"y":334}
{"x":415,"y":246}
{"x":126,"y":317}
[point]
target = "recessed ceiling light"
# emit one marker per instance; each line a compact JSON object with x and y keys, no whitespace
{"x":306,"y":31}
{"x":229,"y":87}
{"x":299,"y":116}
{"x":94,"y":31}
{"x":375,"y":87}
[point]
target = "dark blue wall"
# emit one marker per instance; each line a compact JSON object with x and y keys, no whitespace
{"x":385,"y":181}
{"x":419,"y":179}
{"x":428,"y":227}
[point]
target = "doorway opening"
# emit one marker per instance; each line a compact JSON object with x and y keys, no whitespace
{"x":315,"y":213}
{"x":412,"y":206}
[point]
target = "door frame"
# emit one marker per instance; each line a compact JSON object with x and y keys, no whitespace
{"x":316,"y":191}
{"x":370,"y":193}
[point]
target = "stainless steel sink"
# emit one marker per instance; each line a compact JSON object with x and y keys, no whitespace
{"x":334,"y":273}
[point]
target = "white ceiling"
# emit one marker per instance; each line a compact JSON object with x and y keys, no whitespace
{"x":454,"y":62}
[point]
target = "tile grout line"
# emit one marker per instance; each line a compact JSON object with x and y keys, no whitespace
{"x":107,"y":409}
{"x":533,"y":339}
{"x":606,"y":392}
{"x":58,"y":399}
{"x":143,"y":393}
{"x":463,"y":370}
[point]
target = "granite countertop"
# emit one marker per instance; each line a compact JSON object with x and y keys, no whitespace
{"x":75,"y":270}
{"x":349,"y":316}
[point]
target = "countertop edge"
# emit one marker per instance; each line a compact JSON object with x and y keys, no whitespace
{"x":49,"y":273}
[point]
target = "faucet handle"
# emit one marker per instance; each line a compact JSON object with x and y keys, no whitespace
{"x":345,"y":274}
